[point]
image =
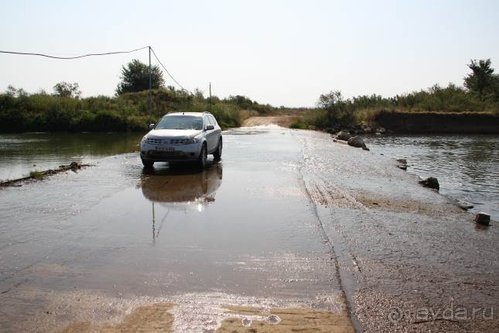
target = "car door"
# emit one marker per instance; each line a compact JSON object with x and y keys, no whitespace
{"x":211,"y":135}
{"x":217,"y":131}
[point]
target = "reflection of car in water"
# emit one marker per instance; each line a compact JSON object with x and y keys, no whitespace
{"x":181,"y":185}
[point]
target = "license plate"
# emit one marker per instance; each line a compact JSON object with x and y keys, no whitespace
{"x":165,"y":149}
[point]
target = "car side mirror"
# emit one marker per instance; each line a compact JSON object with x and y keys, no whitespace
{"x":210,"y":127}
{"x":151,"y":126}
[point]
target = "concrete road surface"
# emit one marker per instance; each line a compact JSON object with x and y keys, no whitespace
{"x":290,"y":231}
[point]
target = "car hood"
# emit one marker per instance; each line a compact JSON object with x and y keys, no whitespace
{"x":169,"y":133}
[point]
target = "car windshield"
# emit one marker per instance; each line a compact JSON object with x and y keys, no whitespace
{"x":180,"y":122}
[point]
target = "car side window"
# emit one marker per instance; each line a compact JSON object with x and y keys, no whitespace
{"x":213,"y":120}
{"x":207,"y":121}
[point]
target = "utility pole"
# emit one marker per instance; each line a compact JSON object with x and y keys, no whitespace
{"x":150,"y":85}
{"x":153,"y":224}
{"x":210,"y":97}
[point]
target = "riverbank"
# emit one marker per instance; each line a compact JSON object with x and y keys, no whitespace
{"x":438,"y":123}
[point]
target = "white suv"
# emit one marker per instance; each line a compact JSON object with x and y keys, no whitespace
{"x":182,"y":136}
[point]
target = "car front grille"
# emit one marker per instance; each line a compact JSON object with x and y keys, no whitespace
{"x":178,"y":141}
{"x":153,"y":141}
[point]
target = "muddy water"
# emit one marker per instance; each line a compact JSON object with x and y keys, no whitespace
{"x":84,"y":248}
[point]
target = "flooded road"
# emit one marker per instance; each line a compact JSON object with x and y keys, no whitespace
{"x":289,"y":232}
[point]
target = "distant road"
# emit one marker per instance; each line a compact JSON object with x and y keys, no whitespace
{"x":284,"y":121}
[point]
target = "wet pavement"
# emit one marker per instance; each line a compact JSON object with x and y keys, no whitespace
{"x":288,"y":226}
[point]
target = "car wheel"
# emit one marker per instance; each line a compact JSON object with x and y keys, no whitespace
{"x":202,"y":157}
{"x":147,"y":163}
{"x":218,"y":153}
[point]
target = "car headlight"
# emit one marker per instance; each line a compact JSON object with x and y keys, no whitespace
{"x":192,"y":140}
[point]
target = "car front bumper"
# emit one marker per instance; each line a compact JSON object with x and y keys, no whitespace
{"x":167,"y":153}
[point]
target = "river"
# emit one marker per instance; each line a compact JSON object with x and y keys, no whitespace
{"x":467,"y":167}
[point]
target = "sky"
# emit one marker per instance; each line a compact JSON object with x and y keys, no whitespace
{"x":284,"y":53}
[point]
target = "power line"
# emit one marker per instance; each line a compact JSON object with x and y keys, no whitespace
{"x":73,"y":57}
{"x":167,"y":72}
{"x":95,"y":54}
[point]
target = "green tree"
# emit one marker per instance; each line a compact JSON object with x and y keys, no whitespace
{"x":11,"y":91}
{"x":339,"y":112}
{"x":65,"y":89}
{"x":135,"y":77}
{"x":482,"y":80}
{"x":241,"y":101}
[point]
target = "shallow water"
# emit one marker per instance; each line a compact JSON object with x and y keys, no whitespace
{"x":467,"y":167}
{"x":22,"y":153}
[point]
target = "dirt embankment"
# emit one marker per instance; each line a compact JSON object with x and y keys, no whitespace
{"x":432,"y":122}
{"x":409,"y":122}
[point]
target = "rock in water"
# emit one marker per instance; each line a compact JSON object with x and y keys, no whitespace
{"x":402,"y":163}
{"x":464,"y":204}
{"x":357,"y":141}
{"x":482,"y":218}
{"x":74,"y":165}
{"x":430,"y":182}
{"x":343,"y":135}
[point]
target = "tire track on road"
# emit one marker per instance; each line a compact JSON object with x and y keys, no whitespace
{"x":317,"y":196}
